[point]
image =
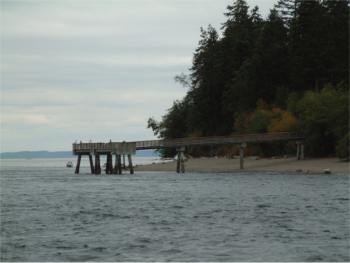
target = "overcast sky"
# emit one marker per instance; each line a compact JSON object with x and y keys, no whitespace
{"x":81,"y":70}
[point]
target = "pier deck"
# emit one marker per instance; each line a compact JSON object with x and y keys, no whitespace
{"x":129,"y":148}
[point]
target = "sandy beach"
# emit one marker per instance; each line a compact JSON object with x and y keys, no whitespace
{"x":254,"y":164}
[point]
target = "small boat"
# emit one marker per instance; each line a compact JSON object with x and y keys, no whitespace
{"x":69,"y":164}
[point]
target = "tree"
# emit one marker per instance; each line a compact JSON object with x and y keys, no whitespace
{"x":307,"y":45}
{"x":287,"y":9}
{"x":324,"y":119}
{"x":284,"y":60}
{"x":336,"y":49}
{"x":241,"y":32}
{"x":206,"y":92}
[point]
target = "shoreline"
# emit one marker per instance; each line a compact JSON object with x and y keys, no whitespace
{"x":253,"y":164}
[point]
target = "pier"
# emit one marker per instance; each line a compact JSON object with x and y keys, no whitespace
{"x":119,"y":150}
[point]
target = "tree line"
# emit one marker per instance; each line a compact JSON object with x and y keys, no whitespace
{"x":286,"y":72}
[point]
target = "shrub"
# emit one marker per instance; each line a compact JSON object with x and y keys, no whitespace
{"x":342,"y":148}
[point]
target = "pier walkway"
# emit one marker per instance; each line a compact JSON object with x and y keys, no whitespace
{"x":122,"y":149}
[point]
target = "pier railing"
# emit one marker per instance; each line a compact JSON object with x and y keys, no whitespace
{"x":217,"y":140}
{"x":130,"y":147}
{"x":100,"y":147}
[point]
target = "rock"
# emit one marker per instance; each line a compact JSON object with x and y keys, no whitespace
{"x":299,"y":170}
{"x":327,"y":171}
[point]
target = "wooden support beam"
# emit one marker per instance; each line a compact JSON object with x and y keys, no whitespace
{"x":302,"y":151}
{"x":115,"y":168}
{"x":298,"y":150}
{"x":241,"y":155}
{"x":120,"y":164}
{"x":124,"y":167}
{"x":108,"y":163}
{"x":91,"y":164}
{"x":78,"y":164}
{"x":97,"y":164}
{"x":131,"y":167}
{"x":180,"y":164}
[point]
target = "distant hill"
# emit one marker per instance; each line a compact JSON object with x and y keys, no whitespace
{"x":59,"y":154}
{"x":35,"y":154}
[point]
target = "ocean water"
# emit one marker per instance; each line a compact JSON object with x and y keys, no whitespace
{"x":50,"y":214}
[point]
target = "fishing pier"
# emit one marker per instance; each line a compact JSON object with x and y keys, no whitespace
{"x":120,"y":150}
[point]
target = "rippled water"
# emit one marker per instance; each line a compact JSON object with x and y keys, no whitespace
{"x":50,"y":214}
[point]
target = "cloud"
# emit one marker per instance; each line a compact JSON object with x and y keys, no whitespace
{"x":94,"y":69}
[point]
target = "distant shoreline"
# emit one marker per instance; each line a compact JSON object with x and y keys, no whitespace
{"x":253,"y":164}
{"x":58,"y":154}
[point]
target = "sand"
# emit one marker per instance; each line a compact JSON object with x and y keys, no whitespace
{"x":254,"y":164}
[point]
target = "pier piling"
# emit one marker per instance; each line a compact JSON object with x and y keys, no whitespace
{"x":109,"y":163}
{"x":115,"y":168}
{"x":131,"y":167}
{"x":97,"y":164}
{"x":121,"y":149}
{"x":91,"y":164}
{"x":180,"y":164}
{"x":241,"y":155}
{"x":300,"y":150}
{"x":77,"y":168}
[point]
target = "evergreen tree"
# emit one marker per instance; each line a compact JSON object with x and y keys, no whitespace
{"x":284,"y":59}
{"x":336,"y":31}
{"x":272,"y":59}
{"x":205,"y":93}
{"x":240,"y":34}
{"x":287,"y":9}
{"x":307,"y":47}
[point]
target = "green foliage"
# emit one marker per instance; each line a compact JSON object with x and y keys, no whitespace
{"x":343,"y":147}
{"x":324,"y":119}
{"x":284,"y":60}
{"x":264,"y":120}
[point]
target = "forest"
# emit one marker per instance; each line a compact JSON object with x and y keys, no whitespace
{"x":287,"y":72}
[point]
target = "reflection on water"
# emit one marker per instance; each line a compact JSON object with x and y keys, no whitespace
{"x":50,"y":214}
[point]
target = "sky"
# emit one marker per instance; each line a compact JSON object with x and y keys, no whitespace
{"x":74,"y":70}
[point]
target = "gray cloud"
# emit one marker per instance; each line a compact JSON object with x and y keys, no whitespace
{"x":94,"y":69}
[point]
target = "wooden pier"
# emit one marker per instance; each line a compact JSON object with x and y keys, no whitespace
{"x":119,"y":150}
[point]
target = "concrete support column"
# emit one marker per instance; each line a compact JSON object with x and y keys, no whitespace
{"x":91,"y":164}
{"x":180,"y":164}
{"x":115,"y":167}
{"x":97,"y":164}
{"x":109,"y":164}
{"x":131,"y":167}
{"x":119,"y":164}
{"x":78,"y":164}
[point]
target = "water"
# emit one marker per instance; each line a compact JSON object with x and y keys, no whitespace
{"x":50,"y":214}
